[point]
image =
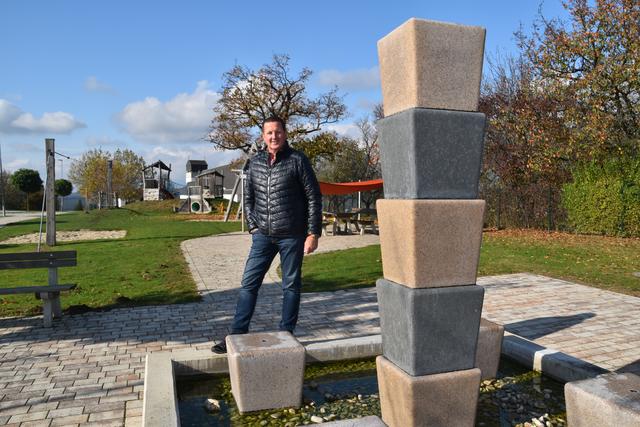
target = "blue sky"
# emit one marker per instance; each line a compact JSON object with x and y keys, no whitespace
{"x":144,"y":75}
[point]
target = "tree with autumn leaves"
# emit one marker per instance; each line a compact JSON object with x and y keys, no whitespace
{"x":571,"y":96}
{"x":89,"y":173}
{"x":592,"y":66}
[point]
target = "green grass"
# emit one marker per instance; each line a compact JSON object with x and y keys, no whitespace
{"x":603,"y":262}
{"x":146,"y":267}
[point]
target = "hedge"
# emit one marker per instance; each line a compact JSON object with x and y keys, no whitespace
{"x":604,"y":197}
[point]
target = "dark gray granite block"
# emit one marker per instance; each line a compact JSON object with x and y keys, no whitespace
{"x":431,"y":154}
{"x":429,"y":330}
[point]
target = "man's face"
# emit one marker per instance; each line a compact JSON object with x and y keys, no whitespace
{"x":274,"y":136}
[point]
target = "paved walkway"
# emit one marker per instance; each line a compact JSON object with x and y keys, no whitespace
{"x":217,"y":262}
{"x":88,"y":369}
{"x":17,"y":216}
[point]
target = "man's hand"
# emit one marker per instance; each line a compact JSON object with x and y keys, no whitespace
{"x":310,"y":244}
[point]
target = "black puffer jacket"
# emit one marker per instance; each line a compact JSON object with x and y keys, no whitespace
{"x":282,"y":199}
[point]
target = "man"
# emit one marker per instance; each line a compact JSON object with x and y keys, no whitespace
{"x":283,"y":208}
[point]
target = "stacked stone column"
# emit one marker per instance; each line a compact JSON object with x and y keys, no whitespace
{"x":431,"y":141}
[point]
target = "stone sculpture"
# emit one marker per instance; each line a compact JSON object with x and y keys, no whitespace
{"x":431,"y":141}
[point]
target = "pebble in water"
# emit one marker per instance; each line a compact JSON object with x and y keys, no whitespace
{"x":212,"y":405}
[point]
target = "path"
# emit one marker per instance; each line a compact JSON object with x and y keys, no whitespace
{"x":88,"y":369}
{"x":217,"y":262}
{"x":17,"y":216}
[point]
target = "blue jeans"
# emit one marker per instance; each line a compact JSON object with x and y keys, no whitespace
{"x":263,"y":250}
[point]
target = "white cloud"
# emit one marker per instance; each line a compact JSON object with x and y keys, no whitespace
{"x":358,"y":79}
{"x":366,"y":104}
{"x":92,"y":84}
{"x":58,"y":122}
{"x":104,"y":141}
{"x":14,"y":120}
{"x":21,"y":147}
{"x":8,"y":113}
{"x":16,"y":164}
{"x":345,"y":129}
{"x":183,"y":119}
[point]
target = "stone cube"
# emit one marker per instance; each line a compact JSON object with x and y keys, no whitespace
{"x":430,"y":243}
{"x":489,"y":348}
{"x":448,"y":399}
{"x":431,"y":154}
{"x":431,"y":64}
{"x":266,"y":370}
{"x":606,"y":400}
{"x":432,"y":330}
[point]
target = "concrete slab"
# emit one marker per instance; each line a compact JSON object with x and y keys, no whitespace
{"x":160,"y":400}
{"x":554,"y":363}
{"x":430,"y":243}
{"x":431,"y":154}
{"x":429,"y":331}
{"x":266,"y":370}
{"x":448,"y":399}
{"x":489,"y":347}
{"x":371,"y":421}
{"x":431,"y":64}
{"x":609,"y":399}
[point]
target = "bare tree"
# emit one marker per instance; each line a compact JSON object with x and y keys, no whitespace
{"x":249,"y":97}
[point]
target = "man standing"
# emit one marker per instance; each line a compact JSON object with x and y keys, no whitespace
{"x":283,"y":208}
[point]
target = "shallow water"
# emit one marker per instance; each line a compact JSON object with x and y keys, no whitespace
{"x":350,"y":389}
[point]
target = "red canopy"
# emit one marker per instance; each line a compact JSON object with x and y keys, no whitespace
{"x":331,"y":188}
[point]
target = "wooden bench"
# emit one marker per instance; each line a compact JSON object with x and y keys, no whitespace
{"x":366,"y":218}
{"x":49,"y":294}
{"x":329,"y":220}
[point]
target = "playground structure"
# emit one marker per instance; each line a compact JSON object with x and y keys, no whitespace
{"x":196,"y":201}
{"x":156,"y":180}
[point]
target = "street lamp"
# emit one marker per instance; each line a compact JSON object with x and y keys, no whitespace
{"x":4,"y":211}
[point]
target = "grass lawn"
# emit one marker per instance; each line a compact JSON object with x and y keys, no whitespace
{"x":146,"y":267}
{"x":603,"y":262}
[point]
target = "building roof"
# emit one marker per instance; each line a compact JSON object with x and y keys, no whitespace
{"x":159,"y":164}
{"x":196,"y":165}
{"x":209,"y":172}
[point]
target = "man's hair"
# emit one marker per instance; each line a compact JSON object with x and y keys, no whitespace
{"x":275,"y":119}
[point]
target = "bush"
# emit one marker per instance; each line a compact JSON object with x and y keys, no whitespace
{"x":604,"y":197}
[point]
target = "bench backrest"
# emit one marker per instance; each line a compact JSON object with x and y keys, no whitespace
{"x":38,"y":260}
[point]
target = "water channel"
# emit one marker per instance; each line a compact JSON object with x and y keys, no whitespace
{"x":344,"y":390}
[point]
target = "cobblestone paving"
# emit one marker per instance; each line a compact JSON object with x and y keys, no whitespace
{"x":88,"y":369}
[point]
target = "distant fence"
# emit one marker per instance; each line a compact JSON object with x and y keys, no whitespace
{"x":528,"y":207}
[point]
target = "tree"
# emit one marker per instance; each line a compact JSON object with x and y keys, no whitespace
{"x":63,"y":187}
{"x":13,"y":197}
{"x":593,"y":66}
{"x":526,"y":139}
{"x":526,"y":156}
{"x":249,"y":97}
{"x":127,"y":174}
{"x":27,"y":180}
{"x":89,"y":173}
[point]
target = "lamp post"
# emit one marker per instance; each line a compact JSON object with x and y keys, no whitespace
{"x":4,"y":211}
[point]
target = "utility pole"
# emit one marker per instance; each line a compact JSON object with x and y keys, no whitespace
{"x":4,"y":211}
{"x":49,"y":191}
